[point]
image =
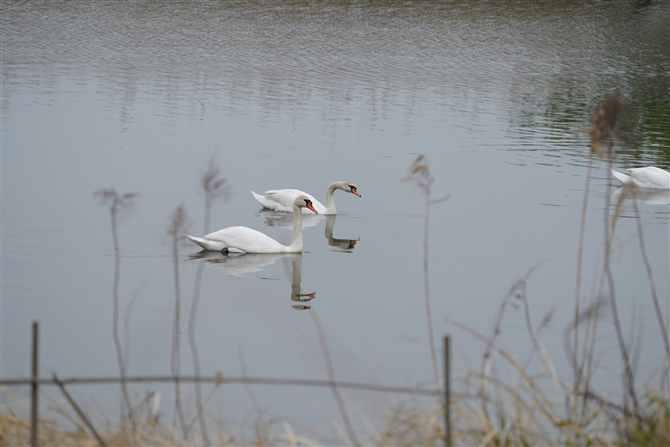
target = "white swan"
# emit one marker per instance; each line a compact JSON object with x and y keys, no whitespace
{"x":649,"y":177}
{"x":282,"y":199}
{"x":247,"y":240}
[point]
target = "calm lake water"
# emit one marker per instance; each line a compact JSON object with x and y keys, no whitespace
{"x":139,"y":96}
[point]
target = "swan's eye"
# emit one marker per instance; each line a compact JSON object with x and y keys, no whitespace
{"x":353,"y":188}
{"x":307,"y":202}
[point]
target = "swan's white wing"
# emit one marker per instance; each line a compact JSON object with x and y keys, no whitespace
{"x":246,"y":240}
{"x":650,"y":177}
{"x":282,"y":200}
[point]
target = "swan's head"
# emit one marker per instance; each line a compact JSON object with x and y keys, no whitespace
{"x":304,"y":202}
{"x":349,"y":187}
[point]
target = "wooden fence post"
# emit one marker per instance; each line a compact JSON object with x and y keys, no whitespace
{"x":447,"y":391}
{"x":34,"y":419}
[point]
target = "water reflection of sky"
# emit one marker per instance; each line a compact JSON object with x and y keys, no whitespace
{"x":298,"y":99}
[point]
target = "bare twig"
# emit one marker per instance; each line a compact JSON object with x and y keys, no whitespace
{"x":331,"y":378}
{"x":81,"y":414}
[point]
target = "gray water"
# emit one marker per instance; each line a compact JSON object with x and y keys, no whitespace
{"x":140,"y":96}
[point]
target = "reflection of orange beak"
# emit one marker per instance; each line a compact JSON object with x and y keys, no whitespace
{"x":311,"y":207}
{"x":355,"y":191}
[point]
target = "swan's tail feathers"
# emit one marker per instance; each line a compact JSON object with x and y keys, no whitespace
{"x":196,"y":240}
{"x":263,"y":200}
{"x":623,"y":178}
{"x":259,"y":198}
{"x":207,"y":244}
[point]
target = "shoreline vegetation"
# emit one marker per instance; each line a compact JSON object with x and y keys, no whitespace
{"x":503,"y":402}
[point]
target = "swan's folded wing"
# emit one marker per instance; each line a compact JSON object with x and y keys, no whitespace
{"x":283,"y":200}
{"x":246,"y":240}
{"x":651,"y":177}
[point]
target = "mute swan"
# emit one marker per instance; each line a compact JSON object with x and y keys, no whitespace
{"x":282,"y":199}
{"x":649,"y":177}
{"x":247,"y":240}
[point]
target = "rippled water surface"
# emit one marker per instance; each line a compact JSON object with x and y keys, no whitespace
{"x":140,"y":96}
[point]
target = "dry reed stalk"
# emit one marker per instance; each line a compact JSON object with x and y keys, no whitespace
{"x":117,"y":204}
{"x":215,"y":188}
{"x":420,"y":177}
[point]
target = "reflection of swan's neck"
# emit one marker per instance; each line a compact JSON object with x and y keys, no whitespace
{"x":296,"y":245}
{"x":330,"y":224}
{"x":345,"y":244}
{"x":297,"y":276}
{"x":330,"y":198}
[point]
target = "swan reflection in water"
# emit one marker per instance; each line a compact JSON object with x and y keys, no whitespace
{"x":242,"y":264}
{"x":284,"y":220}
{"x":644,"y":195}
{"x":346,"y":245}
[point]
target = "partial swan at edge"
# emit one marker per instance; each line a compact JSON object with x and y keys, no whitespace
{"x":648,"y":177}
{"x":281,"y":199}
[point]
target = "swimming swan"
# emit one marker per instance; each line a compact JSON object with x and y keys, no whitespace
{"x":282,"y":199}
{"x":649,"y":177}
{"x":247,"y":240}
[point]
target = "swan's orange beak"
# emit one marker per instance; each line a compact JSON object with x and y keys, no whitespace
{"x":311,"y":207}
{"x":355,"y":191}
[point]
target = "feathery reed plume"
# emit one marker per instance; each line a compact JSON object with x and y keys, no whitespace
{"x":421,"y":179}
{"x":604,"y":133}
{"x":604,"y":130}
{"x":215,"y":188}
{"x":117,"y":204}
{"x":603,"y":137}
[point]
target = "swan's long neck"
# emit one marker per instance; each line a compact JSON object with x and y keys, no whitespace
{"x":330,"y":198}
{"x":296,"y":245}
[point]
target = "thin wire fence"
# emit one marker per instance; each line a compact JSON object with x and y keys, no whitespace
{"x":217,"y":380}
